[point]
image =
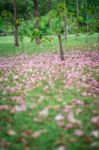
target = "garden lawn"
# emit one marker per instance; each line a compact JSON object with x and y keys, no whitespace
{"x":48,"y":104}
{"x":48,"y":44}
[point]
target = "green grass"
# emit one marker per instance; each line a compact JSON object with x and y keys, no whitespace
{"x":73,"y":43}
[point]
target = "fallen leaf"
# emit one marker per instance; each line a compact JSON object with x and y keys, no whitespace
{"x":4,"y":107}
{"x":69,"y":126}
{"x":95,"y":120}
{"x":44,"y":113}
{"x":95,"y":133}
{"x":60,"y":123}
{"x":38,"y":133}
{"x":27,"y":133}
{"x":11,"y":132}
{"x":78,"y":133}
{"x":67,"y":108}
{"x":20,"y":108}
{"x":78,"y":102}
{"x":71,"y":118}
{"x":59,"y":117}
{"x":4,"y":144}
{"x":94,"y":145}
{"x":62,"y":147}
{"x":24,"y":141}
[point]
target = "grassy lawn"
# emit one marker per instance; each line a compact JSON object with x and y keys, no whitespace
{"x":72,"y":43}
{"x":47,"y":104}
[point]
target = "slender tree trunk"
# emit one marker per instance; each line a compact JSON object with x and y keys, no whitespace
{"x":65,"y":27}
{"x":16,"y":36}
{"x":61,"y":48}
{"x":36,"y":15}
{"x":36,"y":8}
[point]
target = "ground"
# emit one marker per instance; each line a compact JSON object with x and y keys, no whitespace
{"x":49,"y":104}
{"x":81,"y":42}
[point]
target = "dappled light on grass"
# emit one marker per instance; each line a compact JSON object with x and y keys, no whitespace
{"x":49,"y":104}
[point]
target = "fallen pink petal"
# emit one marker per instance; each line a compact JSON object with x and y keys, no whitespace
{"x":78,"y":133}
{"x":95,"y":133}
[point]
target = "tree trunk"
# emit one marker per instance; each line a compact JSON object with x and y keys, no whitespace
{"x":16,"y":36}
{"x":61,"y":48}
{"x":65,"y":27}
{"x":36,"y":15}
{"x":36,"y":8}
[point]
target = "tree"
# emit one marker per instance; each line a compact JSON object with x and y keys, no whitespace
{"x":57,"y":16}
{"x":16,"y":24}
{"x":62,"y":12}
{"x":36,"y":15}
{"x":61,"y":47}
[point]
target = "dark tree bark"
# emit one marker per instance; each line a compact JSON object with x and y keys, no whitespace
{"x":61,"y":48}
{"x":16,"y":36}
{"x":36,"y":8}
{"x":36,"y":15}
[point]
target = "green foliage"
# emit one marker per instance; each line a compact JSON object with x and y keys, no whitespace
{"x":6,"y":21}
{"x":28,"y":28}
{"x":56,"y":25}
{"x":51,"y":20}
{"x":1,"y":22}
{"x":25,"y":29}
{"x":61,"y":9}
{"x":80,"y":19}
{"x":56,"y":16}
